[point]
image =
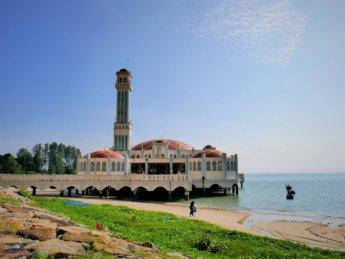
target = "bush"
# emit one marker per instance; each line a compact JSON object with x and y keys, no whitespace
{"x":24,"y":194}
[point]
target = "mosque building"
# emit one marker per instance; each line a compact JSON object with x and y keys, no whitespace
{"x":206,"y":168}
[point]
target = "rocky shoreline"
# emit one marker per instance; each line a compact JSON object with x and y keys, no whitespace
{"x":31,"y":232}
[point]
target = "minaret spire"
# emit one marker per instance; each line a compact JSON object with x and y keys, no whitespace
{"x":122,"y":125}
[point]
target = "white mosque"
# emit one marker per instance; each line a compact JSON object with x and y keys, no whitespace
{"x":205,"y":169}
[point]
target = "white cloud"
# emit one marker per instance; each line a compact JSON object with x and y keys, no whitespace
{"x":266,"y":30}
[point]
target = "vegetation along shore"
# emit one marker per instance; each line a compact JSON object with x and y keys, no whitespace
{"x":167,"y":235}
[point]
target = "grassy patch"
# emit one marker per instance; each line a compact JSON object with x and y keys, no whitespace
{"x":193,"y":238}
{"x":24,"y":194}
{"x":4,"y":200}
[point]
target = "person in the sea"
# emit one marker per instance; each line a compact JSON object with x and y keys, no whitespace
{"x":192,"y":209}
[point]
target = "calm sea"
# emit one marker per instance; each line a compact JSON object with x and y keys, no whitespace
{"x":319,"y":197}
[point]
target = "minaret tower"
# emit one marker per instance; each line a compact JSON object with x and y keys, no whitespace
{"x":122,"y":125}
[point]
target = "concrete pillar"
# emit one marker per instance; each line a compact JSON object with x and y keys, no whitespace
{"x":135,"y":194}
{"x":87,"y":191}
{"x":33,"y":191}
{"x":224,"y":166}
{"x":186,"y":195}
{"x":187,"y":164}
{"x":88,"y":164}
{"x":170,"y":196}
{"x":69,"y":192}
{"x":108,"y":164}
{"x":203,"y":165}
{"x":146,"y":165}
{"x":225,"y":191}
{"x":61,"y":193}
{"x":76,"y":191}
{"x":82,"y":192}
{"x":236,"y":166}
{"x":126,"y":171}
{"x":171,"y":169}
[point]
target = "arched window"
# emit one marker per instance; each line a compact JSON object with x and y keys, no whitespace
{"x":208,"y":166}
{"x":194,"y":166}
{"x":104,"y":166}
{"x":214,"y":166}
{"x":92,"y":166}
{"x":113,"y":166}
{"x":227,"y":165}
{"x":123,"y":166}
{"x":235,"y":166}
{"x":84,"y":166}
{"x":190,"y":166}
{"x":138,"y":156}
{"x":232,"y":166}
{"x":199,"y":166}
{"x":98,"y":166}
{"x":220,"y":166}
{"x":118,"y":166}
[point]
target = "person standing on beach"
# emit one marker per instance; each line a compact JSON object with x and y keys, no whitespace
{"x":192,"y":209}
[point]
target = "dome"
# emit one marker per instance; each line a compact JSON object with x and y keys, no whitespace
{"x":105,"y":153}
{"x":123,"y":71}
{"x":209,"y":153}
{"x":172,"y":144}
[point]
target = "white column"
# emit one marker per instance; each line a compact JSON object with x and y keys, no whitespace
{"x":108,"y":164}
{"x":146,"y":165}
{"x":171,"y":165}
{"x":224,"y":166}
{"x":203,"y":165}
{"x":88,"y":164}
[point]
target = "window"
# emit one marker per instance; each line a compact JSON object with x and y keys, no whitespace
{"x":208,"y":166}
{"x":113,"y":166}
{"x":162,"y":155}
{"x":194,"y":166}
{"x":214,"y":166}
{"x":123,"y":166}
{"x":92,"y":166}
{"x":232,"y":166}
{"x":98,"y":166}
{"x":118,"y":166}
{"x":190,"y":166}
{"x":199,"y":166}
{"x":104,"y":166}
{"x":227,"y":165}
{"x":220,"y":166}
{"x":138,"y":156}
{"x":84,"y":166}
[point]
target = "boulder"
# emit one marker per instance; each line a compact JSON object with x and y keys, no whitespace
{"x":14,"y":253}
{"x":39,"y":229}
{"x":111,"y":248}
{"x":58,"y":248}
{"x":7,"y":240}
{"x":75,"y":233}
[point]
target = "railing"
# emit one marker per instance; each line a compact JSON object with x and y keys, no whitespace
{"x":130,"y":177}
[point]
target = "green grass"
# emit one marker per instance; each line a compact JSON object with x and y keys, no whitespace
{"x":4,"y":200}
{"x":193,"y":238}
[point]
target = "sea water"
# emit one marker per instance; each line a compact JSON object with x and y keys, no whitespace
{"x":319,"y":197}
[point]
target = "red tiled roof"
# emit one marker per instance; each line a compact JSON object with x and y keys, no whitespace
{"x":172,"y":144}
{"x":105,"y":153}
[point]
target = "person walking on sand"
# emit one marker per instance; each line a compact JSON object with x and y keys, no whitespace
{"x":192,"y":209}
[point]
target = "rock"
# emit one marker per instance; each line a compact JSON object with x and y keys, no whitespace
{"x":3,"y":210}
{"x":40,"y":229}
{"x":7,"y":240}
{"x":148,"y":245}
{"x":78,"y":234}
{"x":19,"y":211}
{"x":58,"y":248}
{"x":14,"y":253}
{"x":10,"y":193}
{"x":111,"y":248}
{"x":52,"y":218}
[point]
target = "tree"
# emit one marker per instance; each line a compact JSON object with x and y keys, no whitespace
{"x":25,"y":159}
{"x":39,"y":158}
{"x":10,"y":165}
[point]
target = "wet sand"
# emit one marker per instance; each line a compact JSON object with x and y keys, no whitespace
{"x":309,"y":233}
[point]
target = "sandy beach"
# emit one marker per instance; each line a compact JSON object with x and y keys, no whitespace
{"x":309,"y":233}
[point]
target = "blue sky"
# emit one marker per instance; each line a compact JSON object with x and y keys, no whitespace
{"x":263,"y":79}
